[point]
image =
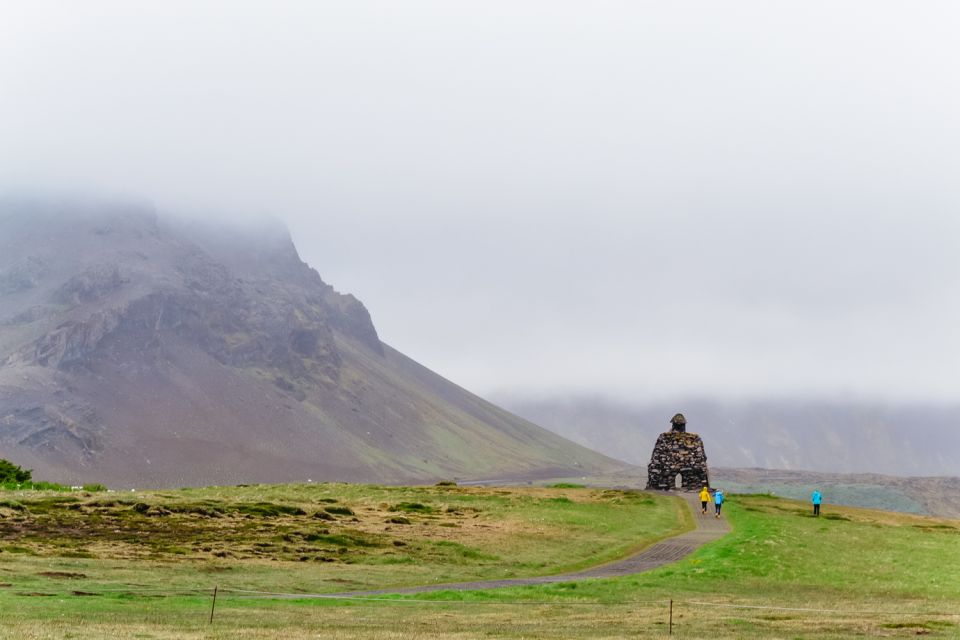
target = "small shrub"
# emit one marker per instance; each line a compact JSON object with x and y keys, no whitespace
{"x":340,"y":511}
{"x":10,"y":472}
{"x":446,"y":483}
{"x":95,"y":487}
{"x":399,"y":520}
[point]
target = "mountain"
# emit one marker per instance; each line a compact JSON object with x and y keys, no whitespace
{"x":142,"y":350}
{"x":814,"y":435}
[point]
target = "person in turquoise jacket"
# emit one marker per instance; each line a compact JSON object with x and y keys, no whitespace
{"x":816,"y":498}
{"x":718,"y":501}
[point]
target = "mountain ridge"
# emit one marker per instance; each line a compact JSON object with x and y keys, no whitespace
{"x":142,"y":350}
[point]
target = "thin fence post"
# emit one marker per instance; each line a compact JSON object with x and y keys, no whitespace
{"x":670,"y":626}
{"x":213,"y":605}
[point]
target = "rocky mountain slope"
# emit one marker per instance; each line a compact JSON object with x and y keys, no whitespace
{"x":145,"y":351}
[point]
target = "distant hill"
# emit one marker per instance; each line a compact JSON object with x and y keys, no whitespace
{"x":814,"y":435}
{"x":139,"y":350}
{"x":937,"y":496}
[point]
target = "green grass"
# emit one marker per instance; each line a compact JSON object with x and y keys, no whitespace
{"x":865,"y":570}
{"x":872,"y":496}
{"x":871,"y":573}
{"x":778,"y":550}
{"x":290,"y":537}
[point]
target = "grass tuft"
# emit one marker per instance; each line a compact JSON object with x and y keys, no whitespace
{"x":412,"y":507}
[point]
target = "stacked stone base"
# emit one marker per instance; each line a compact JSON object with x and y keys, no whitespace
{"x":677,"y":452}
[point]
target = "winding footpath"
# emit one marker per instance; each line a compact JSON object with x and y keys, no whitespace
{"x":664,"y":552}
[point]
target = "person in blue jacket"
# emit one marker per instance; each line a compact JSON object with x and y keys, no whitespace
{"x":718,"y":501}
{"x":816,"y":498}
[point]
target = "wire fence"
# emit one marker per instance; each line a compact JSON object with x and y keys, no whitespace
{"x":671,"y":607}
{"x":402,"y":599}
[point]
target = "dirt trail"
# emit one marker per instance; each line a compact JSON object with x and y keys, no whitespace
{"x":663,"y":552}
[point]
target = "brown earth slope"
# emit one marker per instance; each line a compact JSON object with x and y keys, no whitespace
{"x":139,"y":351}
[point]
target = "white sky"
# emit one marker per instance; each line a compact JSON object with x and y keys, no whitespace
{"x":642,"y":199}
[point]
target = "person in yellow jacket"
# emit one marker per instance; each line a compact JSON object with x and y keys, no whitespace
{"x":704,"y":499}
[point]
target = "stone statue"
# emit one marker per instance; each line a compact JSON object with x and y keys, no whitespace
{"x":679,"y":423}
{"x":678,"y":460}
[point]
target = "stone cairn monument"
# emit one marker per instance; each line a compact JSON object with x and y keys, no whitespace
{"x":678,"y":453}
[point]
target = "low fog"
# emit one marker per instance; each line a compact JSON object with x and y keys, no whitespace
{"x":637,"y":200}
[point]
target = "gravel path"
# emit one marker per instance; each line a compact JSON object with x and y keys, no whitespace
{"x":663,"y":552}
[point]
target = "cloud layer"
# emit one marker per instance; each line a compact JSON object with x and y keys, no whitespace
{"x":640,"y":199}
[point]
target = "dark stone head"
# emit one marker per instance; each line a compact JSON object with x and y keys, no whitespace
{"x":679,"y":423}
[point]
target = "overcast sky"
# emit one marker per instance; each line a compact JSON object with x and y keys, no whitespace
{"x":642,"y":199}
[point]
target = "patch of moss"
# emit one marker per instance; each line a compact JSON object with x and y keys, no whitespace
{"x":412,"y":507}
{"x":23,"y":550}
{"x":907,"y":625}
{"x":201,"y":509}
{"x":455,"y":550}
{"x":268,"y":509}
{"x":43,"y":505}
{"x":106,"y":504}
{"x":342,"y":540}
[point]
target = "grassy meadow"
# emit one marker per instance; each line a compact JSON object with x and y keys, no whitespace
{"x":144,"y":565}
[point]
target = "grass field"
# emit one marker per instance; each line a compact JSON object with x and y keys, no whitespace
{"x":850,"y":573}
